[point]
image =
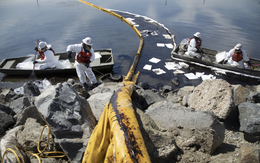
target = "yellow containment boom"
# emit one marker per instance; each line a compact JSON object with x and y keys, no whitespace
{"x":117,"y":136}
{"x":138,"y":54}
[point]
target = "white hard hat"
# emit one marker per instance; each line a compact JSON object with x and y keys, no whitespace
{"x":87,"y":41}
{"x":197,"y":34}
{"x":238,"y":46}
{"x":42,"y":44}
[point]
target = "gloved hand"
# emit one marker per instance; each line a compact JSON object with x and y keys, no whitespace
{"x":36,"y":49}
{"x":249,"y":63}
{"x":69,"y":54}
{"x":35,"y":62}
{"x":87,"y":63}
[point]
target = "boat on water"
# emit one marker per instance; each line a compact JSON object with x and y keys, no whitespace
{"x":214,"y":59}
{"x":103,"y":63}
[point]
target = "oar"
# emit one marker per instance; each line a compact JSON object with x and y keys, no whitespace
{"x":33,"y":76}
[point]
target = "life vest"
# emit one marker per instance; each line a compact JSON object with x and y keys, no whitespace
{"x":42,"y":56}
{"x":83,"y":56}
{"x":237,"y":56}
{"x":198,"y":42}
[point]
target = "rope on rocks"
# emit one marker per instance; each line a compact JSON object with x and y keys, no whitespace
{"x":37,"y":155}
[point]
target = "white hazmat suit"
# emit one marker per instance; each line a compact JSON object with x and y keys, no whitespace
{"x":239,"y":64}
{"x":49,"y":59}
{"x":82,"y":70}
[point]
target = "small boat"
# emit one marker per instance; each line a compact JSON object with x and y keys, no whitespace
{"x":211,"y":60}
{"x":104,"y":64}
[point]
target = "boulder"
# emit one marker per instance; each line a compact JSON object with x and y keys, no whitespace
{"x":10,"y":141}
{"x":174,"y":98}
{"x":240,"y":94}
{"x":170,"y":116}
{"x":28,"y":137}
{"x":81,"y":90}
{"x":253,"y":97}
{"x":106,"y":87}
{"x":249,"y":154}
{"x":184,"y":91}
{"x":6,"y":122}
{"x":6,"y":118}
{"x":30,"y":112}
{"x":249,"y":118}
{"x":69,"y":117}
{"x":20,"y":104}
{"x":30,"y":89}
{"x":213,"y":95}
{"x":8,"y":95}
{"x":144,"y":85}
{"x":160,"y":143}
{"x":98,"y":102}
{"x":148,"y":97}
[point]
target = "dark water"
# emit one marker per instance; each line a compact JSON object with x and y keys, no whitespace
{"x":222,"y":24}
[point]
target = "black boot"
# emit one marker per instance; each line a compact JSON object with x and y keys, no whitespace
{"x":85,"y":85}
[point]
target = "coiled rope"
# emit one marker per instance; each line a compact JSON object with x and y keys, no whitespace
{"x":37,"y":155}
{"x":138,"y":54}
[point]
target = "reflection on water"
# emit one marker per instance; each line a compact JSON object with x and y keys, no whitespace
{"x":62,"y":22}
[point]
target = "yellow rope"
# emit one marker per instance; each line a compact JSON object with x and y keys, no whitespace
{"x":132,"y":68}
{"x":9,"y":149}
{"x":37,"y":155}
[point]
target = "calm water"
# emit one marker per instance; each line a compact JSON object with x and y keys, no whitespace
{"x":222,"y":23}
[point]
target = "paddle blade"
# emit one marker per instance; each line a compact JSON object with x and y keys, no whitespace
{"x":32,"y":76}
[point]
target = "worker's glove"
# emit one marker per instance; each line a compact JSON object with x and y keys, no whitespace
{"x":35,"y":62}
{"x":69,"y":54}
{"x":249,"y":63}
{"x":87,"y":63}
{"x":36,"y":49}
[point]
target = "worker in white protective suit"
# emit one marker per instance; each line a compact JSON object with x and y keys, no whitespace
{"x":46,"y":56}
{"x":84,"y":56}
{"x":236,"y":57}
{"x":194,"y":44}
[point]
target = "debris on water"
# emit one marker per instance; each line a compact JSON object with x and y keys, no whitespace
{"x":178,"y":72}
{"x":154,"y":60}
{"x":175,"y":81}
{"x":158,"y":71}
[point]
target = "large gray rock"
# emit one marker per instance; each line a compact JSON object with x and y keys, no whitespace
{"x":249,"y":118}
{"x":30,"y":112}
{"x":6,"y":122}
{"x":148,"y":97}
{"x":249,"y":154}
{"x":253,"y":97}
{"x":82,"y":91}
{"x":98,"y":102}
{"x":160,"y":144}
{"x":107,"y":87}
{"x":167,"y":115}
{"x":20,"y":104}
{"x":69,"y":117}
{"x":101,"y":95}
{"x":30,"y":89}
{"x":184,"y":91}
{"x":10,"y":141}
{"x":240,"y":94}
{"x":6,"y":118}
{"x":213,"y":95}
{"x":29,"y":136}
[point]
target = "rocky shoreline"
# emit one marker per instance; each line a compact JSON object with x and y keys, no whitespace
{"x":212,"y":122}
